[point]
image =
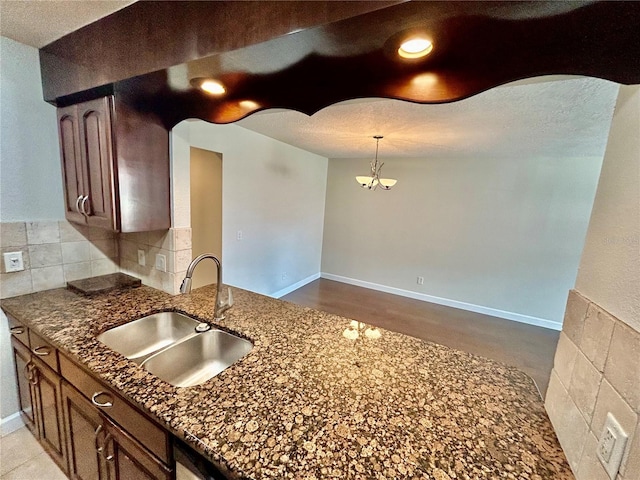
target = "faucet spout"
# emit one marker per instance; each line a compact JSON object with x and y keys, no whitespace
{"x":221,"y":306}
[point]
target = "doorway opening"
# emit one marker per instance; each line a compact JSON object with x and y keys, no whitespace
{"x":206,"y":211}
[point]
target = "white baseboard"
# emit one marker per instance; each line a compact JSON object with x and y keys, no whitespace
{"x":10,"y":424}
{"x":295,"y":286}
{"x":516,"y":317}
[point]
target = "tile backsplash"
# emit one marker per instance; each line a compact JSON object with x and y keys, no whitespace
{"x":54,"y":253}
{"x":174,"y":244}
{"x":57,"y":252}
{"x":596,"y":371}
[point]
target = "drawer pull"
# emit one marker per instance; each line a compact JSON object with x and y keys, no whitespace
{"x":98,"y":404}
{"x":42,"y":351}
{"x":17,"y":330}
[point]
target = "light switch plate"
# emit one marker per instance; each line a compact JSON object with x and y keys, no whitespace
{"x":13,"y":262}
{"x":142,"y":260}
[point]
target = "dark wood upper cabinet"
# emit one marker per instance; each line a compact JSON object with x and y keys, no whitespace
{"x":115,"y":166}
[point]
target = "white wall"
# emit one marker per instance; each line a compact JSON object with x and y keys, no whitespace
{"x":609,"y":272}
{"x":272,"y":192}
{"x":596,"y":370}
{"x":504,"y":235}
{"x":30,"y":178}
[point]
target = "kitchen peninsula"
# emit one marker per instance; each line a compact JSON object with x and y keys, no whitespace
{"x":307,"y":402}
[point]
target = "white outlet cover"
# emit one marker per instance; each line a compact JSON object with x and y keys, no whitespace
{"x":613,"y":440}
{"x":13,"y":262}
{"x":142,"y":259}
{"x":161,"y":262}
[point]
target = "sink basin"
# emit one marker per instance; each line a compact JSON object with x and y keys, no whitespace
{"x":141,"y":338}
{"x":168,"y":345}
{"x":198,"y":358}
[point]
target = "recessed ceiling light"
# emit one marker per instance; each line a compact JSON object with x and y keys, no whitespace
{"x":209,"y":85}
{"x":415,"y":48}
{"x":213,"y":87}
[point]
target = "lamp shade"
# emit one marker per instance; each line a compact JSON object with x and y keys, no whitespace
{"x":387,"y":183}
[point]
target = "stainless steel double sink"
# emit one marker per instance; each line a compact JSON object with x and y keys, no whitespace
{"x":168,"y":345}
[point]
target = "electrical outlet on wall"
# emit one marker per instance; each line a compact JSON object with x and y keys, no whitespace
{"x":610,"y":449}
{"x":161,"y":262}
{"x":420,"y":280}
{"x":142,"y":259}
{"x":13,"y":262}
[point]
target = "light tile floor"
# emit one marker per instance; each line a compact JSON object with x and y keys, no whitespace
{"x":22,"y":458}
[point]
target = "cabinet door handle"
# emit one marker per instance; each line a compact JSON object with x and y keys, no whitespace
{"x":33,"y":374}
{"x":17,"y":330}
{"x":83,"y":204}
{"x":108,"y":440}
{"x":78,"y":203}
{"x":106,"y":404}
{"x":42,"y":351}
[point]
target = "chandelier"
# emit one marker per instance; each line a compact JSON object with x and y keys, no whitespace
{"x":374,"y":181}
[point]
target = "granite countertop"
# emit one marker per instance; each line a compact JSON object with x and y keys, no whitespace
{"x":308,"y":403}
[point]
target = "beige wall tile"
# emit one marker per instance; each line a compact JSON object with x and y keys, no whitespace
{"x":596,"y":335}
{"x":76,"y":271}
{"x":25,"y":256}
{"x":565,"y":359}
{"x":45,"y":255}
{"x":13,"y":234}
{"x":568,"y":423}
{"x":610,"y":401}
{"x":590,"y":467}
{"x":129,"y":250}
{"x":574,"y":316}
{"x":47,"y":278}
{"x":101,"y":234}
{"x":42,"y":232}
{"x":74,"y":252}
{"x":100,"y":249}
{"x":169,"y":283}
{"x":622,"y":369}
{"x":72,"y":232}
{"x":631,"y":469}
{"x":182,"y":239}
{"x":160,"y":239}
{"x":182,"y":260}
{"x":15,"y":283}
{"x":585,"y":383}
{"x":103,"y":267}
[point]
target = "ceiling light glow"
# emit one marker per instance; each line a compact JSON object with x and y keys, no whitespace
{"x":415,"y":48}
{"x":213,"y":87}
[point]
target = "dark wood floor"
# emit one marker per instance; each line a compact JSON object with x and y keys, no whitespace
{"x":529,"y":348}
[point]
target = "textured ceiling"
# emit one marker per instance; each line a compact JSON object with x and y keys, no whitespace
{"x":38,"y":23}
{"x":566,"y":117}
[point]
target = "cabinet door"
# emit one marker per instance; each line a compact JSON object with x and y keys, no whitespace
{"x":84,"y":430}
{"x":71,"y":158}
{"x":24,"y":372}
{"x":49,"y":413}
{"x":128,"y":459}
{"x":96,"y":143}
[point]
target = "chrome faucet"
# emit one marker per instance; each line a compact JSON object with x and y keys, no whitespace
{"x":221,"y":306}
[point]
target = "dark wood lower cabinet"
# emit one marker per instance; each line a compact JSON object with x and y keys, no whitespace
{"x":49,"y":416}
{"x":127,"y":459}
{"x":100,"y":449}
{"x":79,"y":421}
{"x":24,"y":372}
{"x":82,"y":422}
